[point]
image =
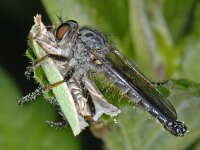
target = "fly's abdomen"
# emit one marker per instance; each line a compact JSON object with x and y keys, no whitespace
{"x":122,"y":85}
{"x":126,"y":89}
{"x":174,"y":127}
{"x":79,"y":99}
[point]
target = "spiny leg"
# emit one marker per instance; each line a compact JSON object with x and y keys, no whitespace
{"x":37,"y":92}
{"x":41,"y":90}
{"x":38,"y":62}
{"x":57,"y":124}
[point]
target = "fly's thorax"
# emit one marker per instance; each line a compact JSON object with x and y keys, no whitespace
{"x":67,"y":32}
{"x":82,"y":59}
{"x":81,"y":46}
{"x":93,"y":40}
{"x":66,"y":36}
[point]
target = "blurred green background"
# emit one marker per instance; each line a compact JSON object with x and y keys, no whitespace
{"x":161,"y":37}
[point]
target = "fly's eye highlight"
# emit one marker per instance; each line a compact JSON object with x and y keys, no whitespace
{"x":62,"y":29}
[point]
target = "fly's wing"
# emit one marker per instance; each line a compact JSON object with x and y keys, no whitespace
{"x":136,"y":79}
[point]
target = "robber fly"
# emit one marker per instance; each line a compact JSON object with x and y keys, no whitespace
{"x":85,"y":51}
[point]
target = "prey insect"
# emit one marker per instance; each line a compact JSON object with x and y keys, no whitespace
{"x":80,"y":53}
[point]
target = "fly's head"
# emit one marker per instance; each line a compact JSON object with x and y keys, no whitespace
{"x":66,"y":35}
{"x":176,"y":128}
{"x":66,"y":32}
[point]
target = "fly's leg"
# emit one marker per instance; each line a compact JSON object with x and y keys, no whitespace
{"x":37,"y":92}
{"x":58,"y":124}
{"x":53,"y":56}
{"x":61,"y":123}
{"x":41,"y":90}
{"x":38,"y":62}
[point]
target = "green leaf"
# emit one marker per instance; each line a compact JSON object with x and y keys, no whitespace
{"x":61,"y":92}
{"x":143,"y":38}
{"x":56,"y":8}
{"x":24,"y":127}
{"x":190,"y":47}
{"x":178,"y":15}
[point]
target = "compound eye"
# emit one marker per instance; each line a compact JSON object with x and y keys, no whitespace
{"x":61,"y":30}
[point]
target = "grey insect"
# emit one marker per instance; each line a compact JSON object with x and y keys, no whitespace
{"x":82,"y":52}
